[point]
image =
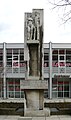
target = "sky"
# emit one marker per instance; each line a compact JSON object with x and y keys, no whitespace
{"x":12,"y":21}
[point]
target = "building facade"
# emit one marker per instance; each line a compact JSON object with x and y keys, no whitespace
{"x":57,"y":69}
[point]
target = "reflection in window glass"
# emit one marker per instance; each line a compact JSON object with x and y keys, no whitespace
{"x":60,"y":94}
{"x":55,"y":57}
{"x":11,"y":94}
{"x":46,"y":60}
{"x":68,"y":64}
{"x":21,"y":57}
{"x":46,"y":64}
{"x":68,"y":58}
{"x":15,"y":51}
{"x":68,"y":51}
{"x":9,"y":57}
{"x":54,"y":94}
{"x":13,"y":89}
{"x":21,"y":51}
{"x":66,"y":94}
{"x":55,"y":64}
{"x":61,"y":63}
{"x":17,"y":94}
{"x":61,"y":51}
{"x":55,"y":52}
{"x":9,"y":51}
{"x":61,"y":57}
{"x":60,"y":88}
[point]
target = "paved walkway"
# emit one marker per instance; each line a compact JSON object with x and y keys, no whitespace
{"x":54,"y":117}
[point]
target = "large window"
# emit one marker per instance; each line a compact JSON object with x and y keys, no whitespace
{"x":61,"y":51}
{"x":61,"y":60}
{"x":16,"y":51}
{"x":61,"y":57}
{"x":15,"y":60}
{"x":60,"y":88}
{"x":13,"y":89}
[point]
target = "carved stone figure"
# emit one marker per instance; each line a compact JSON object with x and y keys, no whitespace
{"x":37,"y":24}
{"x":33,"y":24}
{"x":30,"y":29}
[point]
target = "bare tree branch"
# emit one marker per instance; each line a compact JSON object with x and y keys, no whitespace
{"x":65,"y":5}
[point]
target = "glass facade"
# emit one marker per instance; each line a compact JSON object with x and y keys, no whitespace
{"x":61,"y":64}
{"x":61,"y":60}
{"x":60,"y":88}
{"x":15,"y":66}
{"x":15,"y":60}
{"x":13,"y":88}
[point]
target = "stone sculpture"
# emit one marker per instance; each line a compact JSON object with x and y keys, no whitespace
{"x":33,"y":24}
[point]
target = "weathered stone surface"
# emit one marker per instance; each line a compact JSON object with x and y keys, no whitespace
{"x":32,"y":42}
{"x":34,"y":84}
{"x":34,"y":99}
{"x":37,"y":113}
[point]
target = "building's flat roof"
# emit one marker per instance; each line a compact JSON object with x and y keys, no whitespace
{"x":45,"y":45}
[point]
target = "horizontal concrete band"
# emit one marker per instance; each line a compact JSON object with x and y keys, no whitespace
{"x":34,"y":84}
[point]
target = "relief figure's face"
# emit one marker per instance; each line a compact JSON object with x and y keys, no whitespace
{"x":29,"y":22}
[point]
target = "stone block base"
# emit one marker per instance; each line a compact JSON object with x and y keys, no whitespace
{"x":37,"y":113}
{"x":25,"y":118}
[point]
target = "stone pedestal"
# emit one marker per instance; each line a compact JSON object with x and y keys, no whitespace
{"x":34,"y":95}
{"x":37,"y":113}
{"x":35,"y":104}
{"x":34,"y":99}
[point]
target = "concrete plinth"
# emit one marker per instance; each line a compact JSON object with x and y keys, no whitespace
{"x":37,"y":113}
{"x":34,"y":99}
